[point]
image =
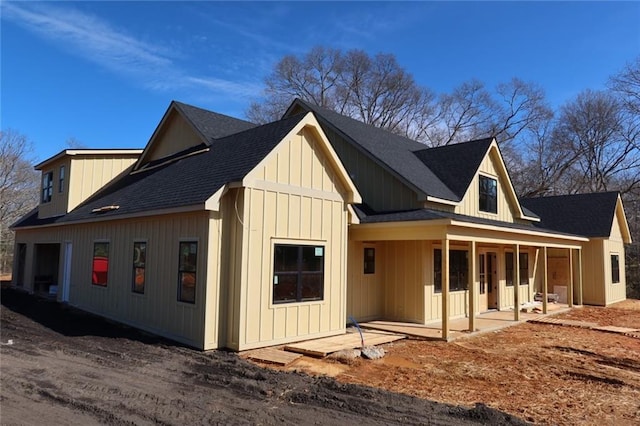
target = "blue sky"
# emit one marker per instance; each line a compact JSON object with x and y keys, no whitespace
{"x":105,"y":72}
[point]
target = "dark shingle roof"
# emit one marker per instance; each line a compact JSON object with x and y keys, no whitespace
{"x":590,"y":215}
{"x":367,"y":216}
{"x":185,"y":182}
{"x":211,"y":124}
{"x":395,"y":152}
{"x":456,"y":165}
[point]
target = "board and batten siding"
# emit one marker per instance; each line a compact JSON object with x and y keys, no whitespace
{"x":294,"y":197}
{"x":174,"y":136}
{"x":157,"y":310}
{"x":615,"y":292}
{"x":365,"y":292}
{"x":88,"y":174}
{"x":380,"y":188}
{"x":404,"y":266}
{"x":470,"y":202}
{"x":59,"y":200}
{"x":505,"y":295}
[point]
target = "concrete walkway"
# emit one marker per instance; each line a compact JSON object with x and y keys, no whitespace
{"x":485,"y":322}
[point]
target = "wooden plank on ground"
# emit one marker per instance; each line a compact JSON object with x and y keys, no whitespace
{"x":324,"y":346}
{"x":272,"y":356}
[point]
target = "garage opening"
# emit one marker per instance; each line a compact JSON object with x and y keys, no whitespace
{"x":46,"y":268}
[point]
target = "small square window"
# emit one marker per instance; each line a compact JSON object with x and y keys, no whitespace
{"x":369,"y":260}
{"x":488,"y":195}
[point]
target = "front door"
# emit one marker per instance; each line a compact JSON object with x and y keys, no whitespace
{"x":492,"y":280}
{"x":482,"y":299}
{"x":66,"y":272}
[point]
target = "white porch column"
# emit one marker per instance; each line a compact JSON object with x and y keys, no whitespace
{"x":445,"y":289}
{"x":570,"y":286}
{"x":516,"y":282}
{"x":580,"y":277}
{"x":473,"y":288}
{"x":544,"y":281}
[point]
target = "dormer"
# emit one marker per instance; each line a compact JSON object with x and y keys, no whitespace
{"x":73,"y":175}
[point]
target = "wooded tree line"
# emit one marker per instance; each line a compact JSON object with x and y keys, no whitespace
{"x":590,"y":143}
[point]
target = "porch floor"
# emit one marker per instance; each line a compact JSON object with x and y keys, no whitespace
{"x":485,"y":322}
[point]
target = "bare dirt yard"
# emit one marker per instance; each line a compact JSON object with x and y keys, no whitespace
{"x":542,"y":373}
{"x":62,"y":366}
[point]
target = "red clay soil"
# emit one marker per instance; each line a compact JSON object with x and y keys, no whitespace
{"x":62,"y":366}
{"x":542,"y":373}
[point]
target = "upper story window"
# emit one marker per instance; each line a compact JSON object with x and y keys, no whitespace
{"x":61,"y":179}
{"x":488,"y":191}
{"x":47,"y":187}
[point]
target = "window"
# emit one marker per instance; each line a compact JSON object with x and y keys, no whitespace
{"x":615,"y":268}
{"x":524,"y":268}
{"x":488,"y":195}
{"x":369,"y":260}
{"x":458,"y":270}
{"x":100,"y":268}
{"x":139,"y":265}
{"x":47,"y":187}
{"x":61,"y":179}
{"x":298,"y":273}
{"x":187,"y":272}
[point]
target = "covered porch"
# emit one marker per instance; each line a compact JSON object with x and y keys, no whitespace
{"x":447,"y":277}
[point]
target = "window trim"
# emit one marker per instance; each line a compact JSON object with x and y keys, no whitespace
{"x":195,"y":285}
{"x":62,"y":174}
{"x":133,"y":268}
{"x":46,"y":193}
{"x":615,"y":279}
{"x":312,"y":243}
{"x":106,"y":284}
{"x":480,"y":193}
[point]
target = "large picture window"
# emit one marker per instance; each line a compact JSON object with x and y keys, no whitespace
{"x":298,"y":273}
{"x":139,"y":266}
{"x":100,"y":268}
{"x":187,"y":271}
{"x":488,"y":200}
{"x":458,"y":270}
{"x":47,"y":187}
{"x":615,"y":268}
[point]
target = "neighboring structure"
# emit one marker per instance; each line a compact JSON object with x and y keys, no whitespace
{"x":221,"y":233}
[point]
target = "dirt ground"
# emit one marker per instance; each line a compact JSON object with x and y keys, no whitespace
{"x":61,"y":366}
{"x":542,"y":373}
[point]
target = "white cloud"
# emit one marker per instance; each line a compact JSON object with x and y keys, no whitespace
{"x":95,"y":40}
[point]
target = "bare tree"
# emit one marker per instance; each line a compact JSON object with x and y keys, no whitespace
{"x":19,"y":185}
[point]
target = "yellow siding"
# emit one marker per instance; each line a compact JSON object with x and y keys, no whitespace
{"x":614,"y":245}
{"x":157,"y":310}
{"x":58,"y":204}
{"x":295,"y":196}
{"x":365,"y":292}
{"x":404,"y":266}
{"x":593,"y":275}
{"x":505,"y":294}
{"x":174,"y":136}
{"x":381,"y":190}
{"x":469,"y":204}
{"x":89,"y":173}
